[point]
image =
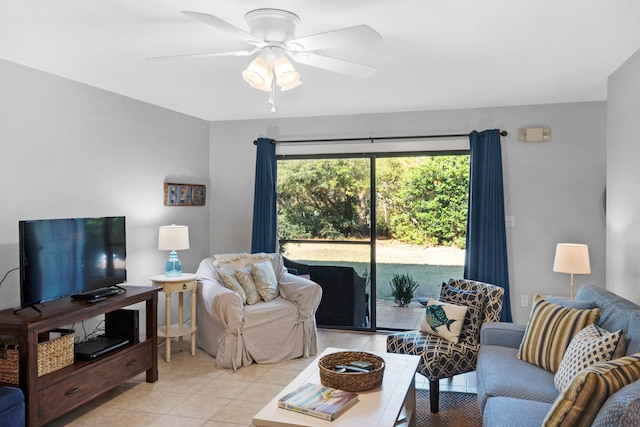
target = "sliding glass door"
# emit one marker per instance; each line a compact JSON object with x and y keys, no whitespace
{"x":421,"y":207}
{"x":361,"y":249}
{"x":324,"y":226}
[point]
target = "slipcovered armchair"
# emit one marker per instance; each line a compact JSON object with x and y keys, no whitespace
{"x":277,"y":327}
{"x":442,"y":358}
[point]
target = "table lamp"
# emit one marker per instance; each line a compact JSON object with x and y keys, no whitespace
{"x":572,"y":258}
{"x":173,"y":238}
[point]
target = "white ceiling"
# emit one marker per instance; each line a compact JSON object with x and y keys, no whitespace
{"x":435,"y":54}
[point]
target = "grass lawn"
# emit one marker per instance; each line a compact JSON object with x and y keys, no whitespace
{"x":428,"y":266}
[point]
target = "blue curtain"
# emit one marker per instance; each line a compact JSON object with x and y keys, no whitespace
{"x":486,"y":253}
{"x":264,"y":235}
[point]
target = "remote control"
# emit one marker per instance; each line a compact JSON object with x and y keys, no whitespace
{"x":362,"y":365}
{"x":342,"y":368}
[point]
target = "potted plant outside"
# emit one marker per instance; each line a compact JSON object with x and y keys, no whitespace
{"x":402,"y":288}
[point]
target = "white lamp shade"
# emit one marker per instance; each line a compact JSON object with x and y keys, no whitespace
{"x":293,"y":82}
{"x":286,"y":76}
{"x":572,"y":258}
{"x":258,"y":74}
{"x":173,"y":238}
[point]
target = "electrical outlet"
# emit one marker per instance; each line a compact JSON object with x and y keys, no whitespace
{"x":509,"y":221}
{"x":524,"y":300}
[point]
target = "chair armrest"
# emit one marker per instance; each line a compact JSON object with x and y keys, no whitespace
{"x":502,"y":333}
{"x":220,"y":302}
{"x":306,"y":294}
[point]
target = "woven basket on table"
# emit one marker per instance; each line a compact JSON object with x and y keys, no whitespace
{"x":56,"y":353}
{"x":350,"y":381}
{"x":9,"y":365}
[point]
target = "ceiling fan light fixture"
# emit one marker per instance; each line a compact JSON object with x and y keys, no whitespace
{"x":283,"y":66}
{"x":272,"y":35}
{"x":286,"y":76}
{"x":259,"y":75}
{"x":292,"y":82}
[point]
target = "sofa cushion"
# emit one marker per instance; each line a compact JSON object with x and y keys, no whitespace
{"x":571,"y":303}
{"x":443,"y":319}
{"x":579,"y":404}
{"x":622,"y":409}
{"x":475,"y":302}
{"x":511,"y":412}
{"x":500,"y":373}
{"x":550,"y":330}
{"x":265,"y":280}
{"x":616,"y":313}
{"x":633,"y":336}
{"x":590,"y":346}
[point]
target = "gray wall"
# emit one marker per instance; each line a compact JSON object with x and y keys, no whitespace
{"x":71,"y":150}
{"x":553,"y":189}
{"x":623,"y":202}
{"x":68,"y":149}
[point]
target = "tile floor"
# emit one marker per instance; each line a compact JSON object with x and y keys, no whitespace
{"x":190,"y":391}
{"x":389,"y":315}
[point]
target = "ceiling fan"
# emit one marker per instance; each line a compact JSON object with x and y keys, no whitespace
{"x":272,"y":35}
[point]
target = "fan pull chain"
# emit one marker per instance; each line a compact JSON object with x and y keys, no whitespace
{"x":272,"y":98}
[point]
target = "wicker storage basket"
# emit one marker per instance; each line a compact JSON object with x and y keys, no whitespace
{"x":56,"y":353}
{"x":9,"y":366}
{"x":350,"y":381}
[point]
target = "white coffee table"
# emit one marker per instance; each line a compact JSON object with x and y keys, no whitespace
{"x":392,"y":404}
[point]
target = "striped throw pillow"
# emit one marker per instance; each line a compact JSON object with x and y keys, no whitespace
{"x":550,"y":330}
{"x":579,"y":404}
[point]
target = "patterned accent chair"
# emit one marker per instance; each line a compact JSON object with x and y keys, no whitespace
{"x":444,"y":359}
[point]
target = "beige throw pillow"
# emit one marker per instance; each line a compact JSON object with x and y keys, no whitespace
{"x":265,"y":280}
{"x":443,"y":320}
{"x":245,"y":277}
{"x":590,"y":346}
{"x":229,"y":280}
{"x":239,"y":260}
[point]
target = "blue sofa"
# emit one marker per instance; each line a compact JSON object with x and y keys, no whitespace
{"x":12,"y":409}
{"x":512,"y":392}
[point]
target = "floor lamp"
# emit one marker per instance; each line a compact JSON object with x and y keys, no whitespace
{"x":572,"y":258}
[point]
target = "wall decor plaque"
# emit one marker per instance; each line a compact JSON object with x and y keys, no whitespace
{"x":184,"y":194}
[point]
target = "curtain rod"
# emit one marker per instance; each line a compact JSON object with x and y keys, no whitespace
{"x":378,"y":138}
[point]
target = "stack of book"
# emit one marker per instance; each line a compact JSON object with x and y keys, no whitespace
{"x":318,"y":401}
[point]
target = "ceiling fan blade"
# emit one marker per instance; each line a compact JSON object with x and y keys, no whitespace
{"x":341,"y":66}
{"x":204,"y":55}
{"x":225,"y":26}
{"x":359,"y":34}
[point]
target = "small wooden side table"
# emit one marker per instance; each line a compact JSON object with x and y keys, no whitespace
{"x":180,"y":284}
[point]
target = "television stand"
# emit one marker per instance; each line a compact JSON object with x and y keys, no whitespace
{"x":54,"y":394}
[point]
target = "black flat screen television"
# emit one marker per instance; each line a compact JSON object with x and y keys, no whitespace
{"x":61,"y":257}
